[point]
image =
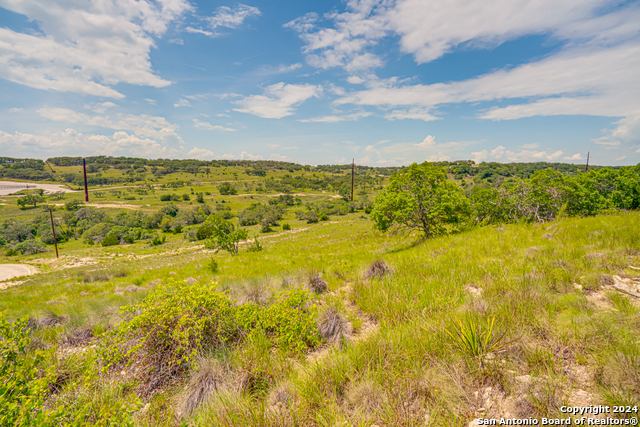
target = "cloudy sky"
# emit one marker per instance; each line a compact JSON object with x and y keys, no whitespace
{"x":386,"y":82}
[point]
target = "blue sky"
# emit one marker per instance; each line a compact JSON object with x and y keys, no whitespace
{"x":387,"y":82}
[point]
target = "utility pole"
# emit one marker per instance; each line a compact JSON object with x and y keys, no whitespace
{"x":53,"y":230}
{"x":86,"y":188}
{"x":353,"y":162}
{"x":587,"y":168}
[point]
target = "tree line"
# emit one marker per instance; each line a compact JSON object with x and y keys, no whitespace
{"x":421,"y":198}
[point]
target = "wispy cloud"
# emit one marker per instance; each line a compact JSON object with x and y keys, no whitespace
{"x":338,"y":118}
{"x":208,"y":126}
{"x":279,"y":100}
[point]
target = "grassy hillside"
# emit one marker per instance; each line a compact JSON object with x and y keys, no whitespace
{"x":392,"y":339}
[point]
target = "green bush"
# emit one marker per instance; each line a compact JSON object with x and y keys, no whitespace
{"x":29,"y":247}
{"x":226,"y":189}
{"x":286,"y":226}
{"x":157,"y":240}
{"x":213,"y":266}
{"x":23,"y":388}
{"x":175,"y":322}
{"x":110,"y":240}
{"x":255,"y":246}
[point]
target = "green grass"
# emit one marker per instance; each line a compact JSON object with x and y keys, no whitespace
{"x":406,"y":368}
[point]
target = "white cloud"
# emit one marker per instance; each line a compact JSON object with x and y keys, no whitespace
{"x":430,"y":31}
{"x":345,"y":44}
{"x":498,"y":152}
{"x":530,"y":146}
{"x":222,"y":115}
{"x":99,"y":107}
{"x":621,"y":158}
{"x":279,"y":158}
{"x":200,"y":31}
{"x":355,"y":80}
{"x":335,"y":119}
{"x":151,"y":101}
{"x":411,"y":113}
{"x":278,"y":100}
{"x":280,"y":69}
{"x":201,"y":153}
{"x":182,"y":103}
{"x":73,"y":142}
{"x":576,"y":156}
{"x":15,"y":110}
{"x":243,"y":156}
{"x":429,"y":141}
{"x":479,"y":156}
{"x":142,"y":125}
{"x":86,"y":47}
{"x":176,"y":41}
{"x":206,"y":125}
{"x":232,"y":17}
{"x":426,"y":150}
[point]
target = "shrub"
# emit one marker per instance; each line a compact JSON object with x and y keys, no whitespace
{"x":23,"y":386}
{"x":72,"y":205}
{"x":310,"y":216}
{"x":165,"y":332}
{"x":260,"y":213}
{"x":213,"y":266}
{"x":165,"y":198}
{"x":224,"y":235}
{"x":226,"y":189}
{"x":286,"y":226}
{"x":157,"y":240}
{"x":185,"y":197}
{"x":255,"y":246}
{"x":29,"y":247}
{"x":110,"y":240}
{"x":167,"y":329}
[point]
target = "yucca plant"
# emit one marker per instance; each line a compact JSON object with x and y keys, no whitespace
{"x":476,"y":339}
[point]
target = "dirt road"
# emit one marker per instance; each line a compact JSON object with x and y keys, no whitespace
{"x":9,"y":271}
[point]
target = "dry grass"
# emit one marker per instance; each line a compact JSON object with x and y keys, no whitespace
{"x":78,"y":336}
{"x":366,"y":397}
{"x":48,"y":320}
{"x":208,"y":379}
{"x":254,"y":292}
{"x":378,"y":269}
{"x":333,"y":327}
{"x":316,"y":283}
{"x":101,"y":275}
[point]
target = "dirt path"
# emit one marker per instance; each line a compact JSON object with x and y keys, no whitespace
{"x":9,"y":271}
{"x":9,"y":187}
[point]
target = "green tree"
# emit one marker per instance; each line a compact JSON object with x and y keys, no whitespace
{"x":31,"y":199}
{"x":345,"y":193}
{"x":419,"y":197}
{"x":224,"y":234}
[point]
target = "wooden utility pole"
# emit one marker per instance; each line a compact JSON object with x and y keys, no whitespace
{"x":53,"y":230}
{"x":353,"y":162}
{"x":86,"y":188}
{"x":587,"y":168}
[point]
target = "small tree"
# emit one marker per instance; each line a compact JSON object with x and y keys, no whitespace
{"x":224,"y":234}
{"x":31,"y":199}
{"x":419,"y":197}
